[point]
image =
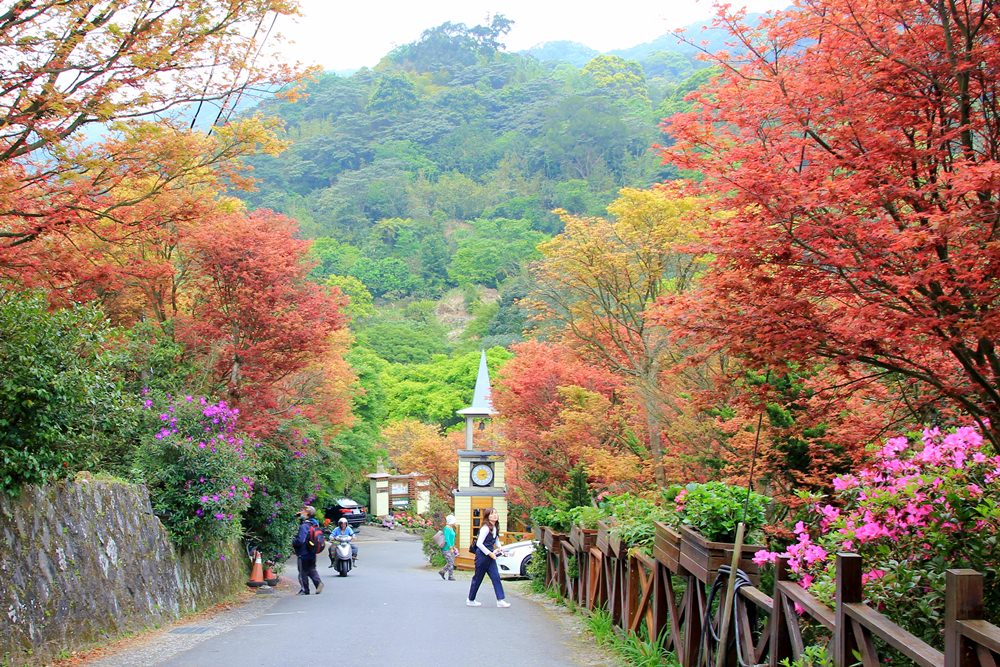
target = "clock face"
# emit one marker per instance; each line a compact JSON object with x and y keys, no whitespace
{"x":482,"y":474}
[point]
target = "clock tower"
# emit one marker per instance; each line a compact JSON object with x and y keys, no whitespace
{"x":481,"y":483}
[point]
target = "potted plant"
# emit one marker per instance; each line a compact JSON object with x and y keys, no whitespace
{"x":708,"y":515}
{"x":634,"y":523}
{"x":558,"y":529}
{"x":667,"y":541}
{"x":583,"y":533}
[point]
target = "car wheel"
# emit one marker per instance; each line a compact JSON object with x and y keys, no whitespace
{"x":524,"y":566}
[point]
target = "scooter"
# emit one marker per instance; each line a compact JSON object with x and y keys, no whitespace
{"x":342,"y":560}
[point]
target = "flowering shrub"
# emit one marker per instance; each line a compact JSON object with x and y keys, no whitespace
{"x":411,"y":521}
{"x":286,"y":479}
{"x":923,"y":506}
{"x":714,"y":509}
{"x":199,"y":470}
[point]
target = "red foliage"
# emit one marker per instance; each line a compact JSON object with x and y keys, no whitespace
{"x":254,"y":314}
{"x":549,"y":428}
{"x":857,"y":149}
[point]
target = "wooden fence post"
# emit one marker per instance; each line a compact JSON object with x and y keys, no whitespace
{"x":849,"y":590}
{"x":780,"y":642}
{"x":963,"y":600}
{"x":692,"y":622}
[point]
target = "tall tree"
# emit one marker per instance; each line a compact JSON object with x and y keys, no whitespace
{"x":69,"y":65}
{"x":598,"y":278}
{"x":858,"y":148}
{"x":254,"y":314}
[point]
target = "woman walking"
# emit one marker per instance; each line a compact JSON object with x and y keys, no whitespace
{"x":448,"y":549}
{"x":487,"y":549}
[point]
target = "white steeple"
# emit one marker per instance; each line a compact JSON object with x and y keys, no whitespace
{"x":481,"y":406}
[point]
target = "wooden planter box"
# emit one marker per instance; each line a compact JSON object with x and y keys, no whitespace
{"x":667,"y":546}
{"x":582,"y":539}
{"x":603,"y":537}
{"x":617,"y":548}
{"x":553,"y":540}
{"x":703,"y":558}
{"x":537,"y":532}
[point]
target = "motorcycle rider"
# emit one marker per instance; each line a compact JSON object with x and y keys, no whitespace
{"x":344,"y":529}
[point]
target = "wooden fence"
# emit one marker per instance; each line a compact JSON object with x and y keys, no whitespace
{"x":676,"y":595}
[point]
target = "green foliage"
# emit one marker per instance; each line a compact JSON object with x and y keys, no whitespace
{"x":812,"y":656}
{"x":288,"y":471}
{"x":405,"y":341}
{"x":586,"y":516}
{"x":433,"y":391}
{"x":714,"y":509}
{"x":573,"y":567}
{"x":536,"y":568}
{"x":632,"y":518}
{"x":361,"y":304}
{"x":556,"y":518}
{"x":430,"y":548}
{"x":577,"y":492}
{"x":602,"y":626}
{"x":492,"y":250}
{"x":62,"y":404}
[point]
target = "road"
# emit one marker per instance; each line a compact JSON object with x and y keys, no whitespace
{"x":392,"y":610}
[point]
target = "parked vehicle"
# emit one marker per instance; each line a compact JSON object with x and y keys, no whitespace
{"x":516,"y":557}
{"x":342,"y":559}
{"x":348,"y":509}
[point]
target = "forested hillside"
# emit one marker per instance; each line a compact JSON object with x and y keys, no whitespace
{"x":441,"y":166}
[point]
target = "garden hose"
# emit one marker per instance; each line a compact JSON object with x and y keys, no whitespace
{"x":710,"y":633}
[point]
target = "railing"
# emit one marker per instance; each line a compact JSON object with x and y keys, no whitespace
{"x":680,"y":604}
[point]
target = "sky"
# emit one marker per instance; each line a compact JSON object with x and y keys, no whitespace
{"x":342,"y":35}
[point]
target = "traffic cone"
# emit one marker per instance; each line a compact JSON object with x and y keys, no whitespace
{"x":257,"y":573}
{"x":269,"y":576}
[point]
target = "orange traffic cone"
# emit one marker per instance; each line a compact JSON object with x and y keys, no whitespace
{"x":269,"y":576}
{"x":257,"y":573}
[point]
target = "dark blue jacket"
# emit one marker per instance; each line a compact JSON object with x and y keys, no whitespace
{"x":299,"y":543}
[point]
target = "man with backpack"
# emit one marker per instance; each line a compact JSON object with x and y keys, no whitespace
{"x":308,"y":542}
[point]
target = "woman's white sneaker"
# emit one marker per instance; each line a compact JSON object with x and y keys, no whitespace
{"x":503,"y":603}
{"x":473,"y":603}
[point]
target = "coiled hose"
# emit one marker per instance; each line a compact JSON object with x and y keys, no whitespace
{"x":711,"y":633}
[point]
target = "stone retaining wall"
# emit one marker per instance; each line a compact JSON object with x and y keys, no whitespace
{"x":86,"y":561}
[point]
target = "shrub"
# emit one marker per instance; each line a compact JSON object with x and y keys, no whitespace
{"x":199,"y":470}
{"x":432,"y":550}
{"x":633,"y":519}
{"x":536,"y":568}
{"x":714,"y":509}
{"x":62,"y":408}
{"x":286,"y":479}
{"x":924,"y":505}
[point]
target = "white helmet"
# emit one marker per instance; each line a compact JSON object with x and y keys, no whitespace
{"x":343,"y":520}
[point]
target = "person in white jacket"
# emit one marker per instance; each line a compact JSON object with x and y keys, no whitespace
{"x":488,"y":547}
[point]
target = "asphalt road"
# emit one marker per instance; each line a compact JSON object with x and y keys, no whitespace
{"x":392,"y":610}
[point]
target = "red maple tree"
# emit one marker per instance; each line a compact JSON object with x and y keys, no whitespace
{"x":855,"y":147}
{"x":253,"y":314}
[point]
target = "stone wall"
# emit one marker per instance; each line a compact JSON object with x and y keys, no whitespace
{"x":87,"y":561}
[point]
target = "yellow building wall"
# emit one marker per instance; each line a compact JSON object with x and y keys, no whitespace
{"x":499,"y":474}
{"x":464,"y":470}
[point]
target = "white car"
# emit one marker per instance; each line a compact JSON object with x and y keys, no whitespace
{"x":515,"y":559}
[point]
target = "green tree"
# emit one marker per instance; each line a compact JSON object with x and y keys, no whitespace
{"x":62,"y":404}
{"x":491,"y":250}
